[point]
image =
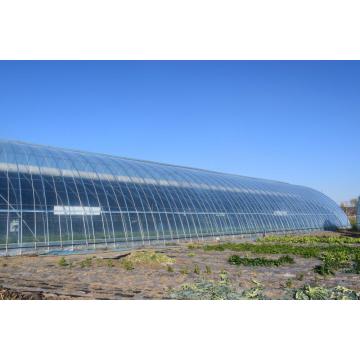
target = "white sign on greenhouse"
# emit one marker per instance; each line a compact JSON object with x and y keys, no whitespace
{"x":77,"y":210}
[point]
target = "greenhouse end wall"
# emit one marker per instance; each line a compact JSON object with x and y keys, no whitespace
{"x":358,"y":215}
{"x":56,"y":198}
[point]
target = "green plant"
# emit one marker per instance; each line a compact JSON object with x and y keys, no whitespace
{"x":356,"y":265}
{"x":197,"y":269}
{"x":237,"y":260}
{"x":331,"y":262}
{"x":208,"y":269}
{"x":191,"y":255}
{"x":320,"y":293}
{"x":342,"y":293}
{"x":311,"y":293}
{"x":127,"y":264}
{"x":193,"y":246}
{"x":110,"y":263}
{"x":63,"y":262}
{"x":86,"y":263}
{"x":255,"y":293}
{"x":224,"y":276}
{"x":206,"y":290}
{"x":324,"y":270}
{"x":170,"y":269}
{"x":289,"y":283}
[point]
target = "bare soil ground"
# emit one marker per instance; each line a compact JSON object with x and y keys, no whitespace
{"x":104,"y":276}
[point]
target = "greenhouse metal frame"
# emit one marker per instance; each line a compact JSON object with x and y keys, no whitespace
{"x":58,"y":198}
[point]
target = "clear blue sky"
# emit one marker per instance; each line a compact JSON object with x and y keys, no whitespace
{"x":291,"y":121}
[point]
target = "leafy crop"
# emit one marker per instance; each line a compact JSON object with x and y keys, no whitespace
{"x":255,"y":293}
{"x":216,"y":290}
{"x":206,"y":290}
{"x":237,"y":260}
{"x":306,"y":251}
{"x":321,"y":293}
{"x":331,"y":262}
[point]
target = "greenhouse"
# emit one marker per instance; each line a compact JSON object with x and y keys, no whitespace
{"x":56,"y":198}
{"x":358,"y":214}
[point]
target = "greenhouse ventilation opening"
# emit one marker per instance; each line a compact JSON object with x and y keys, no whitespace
{"x":52,"y":198}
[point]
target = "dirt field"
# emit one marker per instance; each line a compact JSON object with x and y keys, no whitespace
{"x":110,"y":275}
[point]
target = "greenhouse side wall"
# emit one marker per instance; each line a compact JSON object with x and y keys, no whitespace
{"x":52,"y":198}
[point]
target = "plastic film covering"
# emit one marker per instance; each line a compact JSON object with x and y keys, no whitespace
{"x":52,"y":197}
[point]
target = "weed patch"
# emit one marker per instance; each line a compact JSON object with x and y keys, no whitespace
{"x":110,"y":263}
{"x":197,"y":270}
{"x":224,"y":276}
{"x":86,"y":263}
{"x":63,"y":262}
{"x":149,"y":258}
{"x":194,"y":246}
{"x":127,"y":264}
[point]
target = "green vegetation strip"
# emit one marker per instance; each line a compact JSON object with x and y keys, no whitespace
{"x":311,"y":239}
{"x":335,"y":252}
{"x":304,"y":251}
{"x":283,"y":260}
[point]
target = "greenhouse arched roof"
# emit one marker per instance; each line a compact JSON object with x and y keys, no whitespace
{"x":56,"y":197}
